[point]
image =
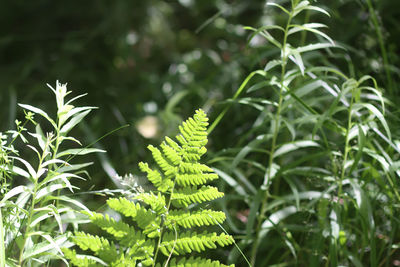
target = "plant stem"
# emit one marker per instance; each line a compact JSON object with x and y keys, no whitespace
{"x":260,"y":217}
{"x":33,"y":203}
{"x":347,"y":147}
{"x":242,"y":86}
{"x":162,"y":226}
{"x":27,"y":229}
{"x":378,"y":30}
{"x":57,"y":138}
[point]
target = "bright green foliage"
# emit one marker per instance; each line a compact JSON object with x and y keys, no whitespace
{"x":34,"y":213}
{"x":163,"y":221}
{"x":193,"y":262}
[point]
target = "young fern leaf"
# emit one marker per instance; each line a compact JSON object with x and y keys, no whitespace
{"x":78,"y":260}
{"x":199,"y":218}
{"x":161,"y":220}
{"x":193,"y":262}
{"x":188,"y":242}
{"x":99,"y":245}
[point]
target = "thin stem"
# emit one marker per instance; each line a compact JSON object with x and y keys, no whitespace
{"x":273,"y":144}
{"x":242,"y":86}
{"x":33,"y":203}
{"x":347,"y":147}
{"x":162,"y":226}
{"x":28,"y":228}
{"x":54,"y":166}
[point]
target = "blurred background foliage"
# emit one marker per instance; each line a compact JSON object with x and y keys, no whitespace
{"x":144,"y":63}
{"x":150,"y":64}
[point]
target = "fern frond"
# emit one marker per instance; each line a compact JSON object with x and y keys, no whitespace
{"x":130,"y":209}
{"x":171,"y":153}
{"x":99,"y":245}
{"x":140,"y":250}
{"x":105,"y":222}
{"x":195,"y":168}
{"x":188,"y":195}
{"x":124,"y":261}
{"x":193,"y":137}
{"x":195,"y":179}
{"x":168,"y":168}
{"x":143,"y":252}
{"x":173,"y":144}
{"x":188,"y":242}
{"x":146,"y":219}
{"x":156,"y":202}
{"x":180,"y":180}
{"x":197,"y":218}
{"x":194,"y":262}
{"x":155,"y":178}
{"x":80,"y":260}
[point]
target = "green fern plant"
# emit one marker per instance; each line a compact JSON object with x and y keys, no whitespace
{"x":163,"y":220}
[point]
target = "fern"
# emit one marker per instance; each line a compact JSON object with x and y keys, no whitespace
{"x":163,"y":220}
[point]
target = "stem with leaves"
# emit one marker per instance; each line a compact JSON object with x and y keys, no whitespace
{"x":347,"y":147}
{"x":277,"y":118}
{"x":31,"y":212}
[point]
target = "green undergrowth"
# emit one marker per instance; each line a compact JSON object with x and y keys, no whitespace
{"x":309,"y":163}
{"x":313,"y":179}
{"x":163,"y":221}
{"x":37,"y":180}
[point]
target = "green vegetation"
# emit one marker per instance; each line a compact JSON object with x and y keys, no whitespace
{"x":304,"y":134}
{"x":33,"y":213}
{"x":163,"y":219}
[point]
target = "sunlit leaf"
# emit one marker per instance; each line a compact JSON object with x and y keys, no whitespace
{"x":40,"y":112}
{"x":79,"y":151}
{"x":289,"y":147}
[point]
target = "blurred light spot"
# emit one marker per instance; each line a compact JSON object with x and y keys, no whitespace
{"x":220,"y":23}
{"x":182,"y":68}
{"x":214,"y":57}
{"x":186,"y":3}
{"x":148,"y":126}
{"x":150,"y":107}
{"x":186,"y":78}
{"x":192,"y":56}
{"x":131,"y":38}
{"x":268,"y":20}
{"x":222,"y":44}
{"x":196,"y":54}
{"x":375,"y":65}
{"x":239,"y":30}
{"x":257,"y":41}
{"x":172,"y":69}
{"x":167,"y":88}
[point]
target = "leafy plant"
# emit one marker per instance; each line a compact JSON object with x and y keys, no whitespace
{"x":36,"y":213}
{"x":163,"y":220}
{"x":313,"y":167}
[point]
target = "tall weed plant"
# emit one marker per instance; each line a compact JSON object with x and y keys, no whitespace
{"x":35,"y":205}
{"x":316,"y":174}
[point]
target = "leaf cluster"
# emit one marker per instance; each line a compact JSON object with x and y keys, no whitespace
{"x":35,"y":213}
{"x":315,"y":170}
{"x":163,"y":219}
